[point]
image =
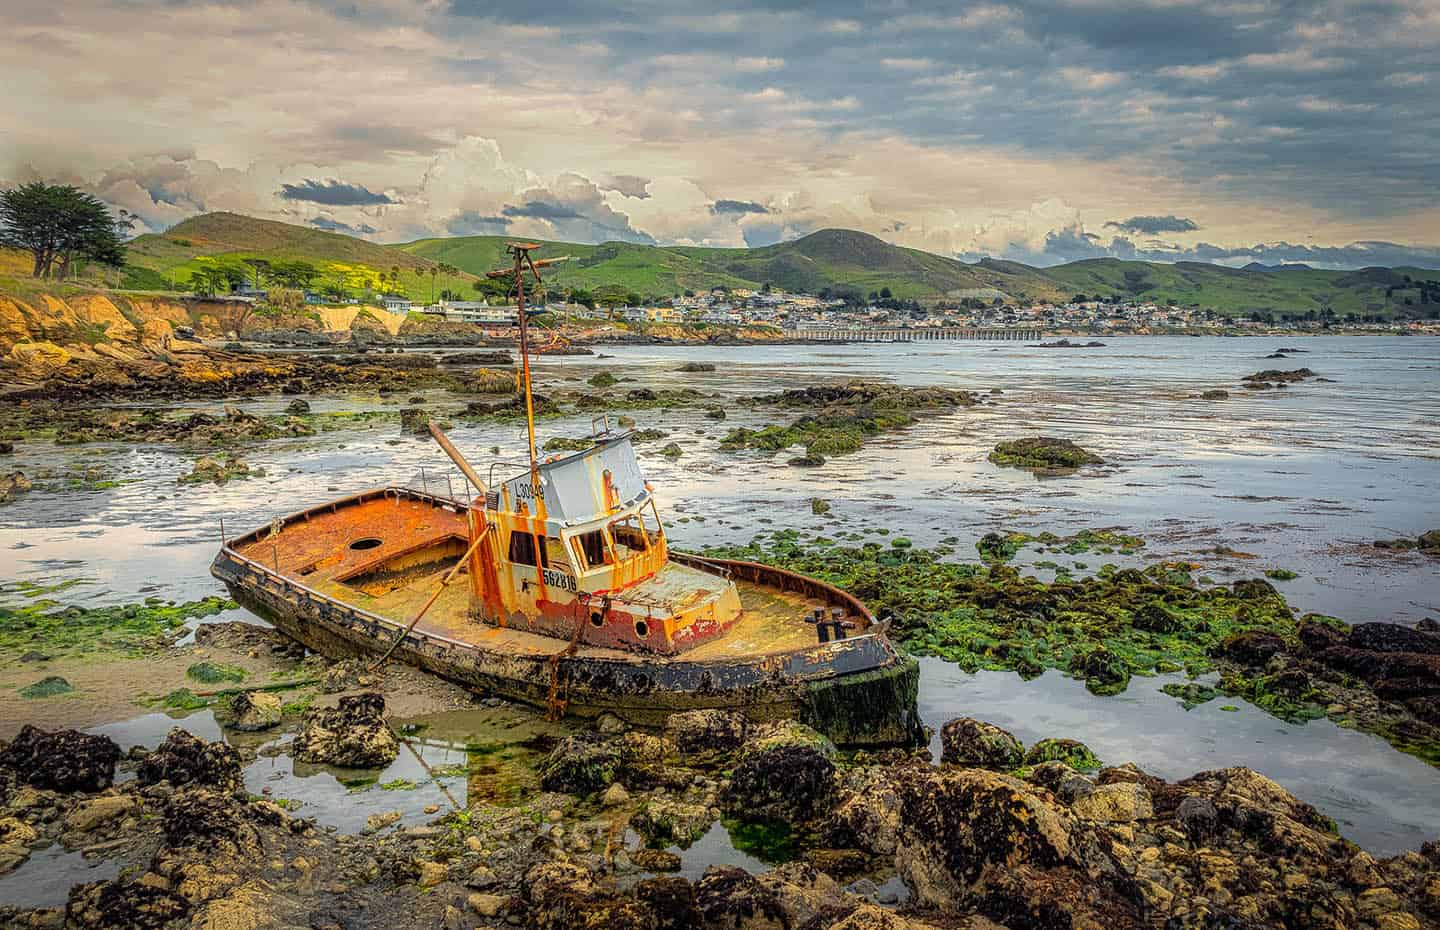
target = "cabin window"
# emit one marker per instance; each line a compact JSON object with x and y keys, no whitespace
{"x":629,"y":537}
{"x":651,"y":518}
{"x":592,"y":549}
{"x":522,"y":548}
{"x":554,"y":553}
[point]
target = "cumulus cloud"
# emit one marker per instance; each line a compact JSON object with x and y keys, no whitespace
{"x":541,"y":210}
{"x":631,"y":185}
{"x":1155,"y":225}
{"x":333,"y":193}
{"x":737,"y":207}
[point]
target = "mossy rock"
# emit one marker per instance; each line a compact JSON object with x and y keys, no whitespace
{"x":1072,"y":752}
{"x":47,"y":687}
{"x":213,"y":673}
{"x":603,"y":379}
{"x":1043,"y":453}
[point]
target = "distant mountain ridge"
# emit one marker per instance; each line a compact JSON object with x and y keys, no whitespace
{"x":834,"y":260}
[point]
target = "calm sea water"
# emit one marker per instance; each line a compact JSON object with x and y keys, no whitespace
{"x":1300,"y":478}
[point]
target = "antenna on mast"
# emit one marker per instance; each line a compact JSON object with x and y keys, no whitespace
{"x":520,"y":253}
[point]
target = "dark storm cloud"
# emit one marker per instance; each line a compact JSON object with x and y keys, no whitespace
{"x":333,"y":193}
{"x":471,"y":223}
{"x":1155,"y":224}
{"x":333,"y":225}
{"x":738,"y":207}
{"x":540,"y":210}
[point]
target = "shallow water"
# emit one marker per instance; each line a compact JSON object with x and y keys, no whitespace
{"x":1298,"y":478}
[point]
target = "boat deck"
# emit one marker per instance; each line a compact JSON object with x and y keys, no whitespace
{"x":319,"y":551}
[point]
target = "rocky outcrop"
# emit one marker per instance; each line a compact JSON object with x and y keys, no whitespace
{"x":973,"y":743}
{"x":580,"y":764}
{"x":351,"y":735}
{"x":706,"y":731}
{"x":1043,"y":454}
{"x":65,"y":760}
{"x":183,"y":759}
{"x":791,"y":783}
{"x":255,"y":710}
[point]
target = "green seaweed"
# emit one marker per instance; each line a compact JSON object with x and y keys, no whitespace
{"x":50,"y":686}
{"x":772,"y":842}
{"x":47,"y":625}
{"x":213,"y":673}
{"x":1191,"y":694}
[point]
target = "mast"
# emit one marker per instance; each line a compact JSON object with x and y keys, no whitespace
{"x":520,"y":251}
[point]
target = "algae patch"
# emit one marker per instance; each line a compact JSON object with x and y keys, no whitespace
{"x":33,"y":621}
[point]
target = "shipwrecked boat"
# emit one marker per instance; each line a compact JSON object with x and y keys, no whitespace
{"x":567,"y":595}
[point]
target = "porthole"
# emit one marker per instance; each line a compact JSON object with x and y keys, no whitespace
{"x":642,"y":629}
{"x":597,"y":618}
{"x":369,"y":542}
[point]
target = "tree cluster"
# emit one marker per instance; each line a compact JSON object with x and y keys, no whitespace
{"x":60,"y":226}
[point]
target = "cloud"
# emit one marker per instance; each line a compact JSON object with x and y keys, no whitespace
{"x":541,"y":210}
{"x":333,"y":193}
{"x":1155,"y":224}
{"x":630,"y":185}
{"x":470,"y":223}
{"x":737,"y":207}
{"x":333,"y":225}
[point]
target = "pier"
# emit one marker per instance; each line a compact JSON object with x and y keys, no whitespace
{"x":922,"y":334}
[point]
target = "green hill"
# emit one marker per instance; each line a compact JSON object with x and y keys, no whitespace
{"x":1237,"y":291}
{"x":835,"y":260}
{"x":229,"y":238}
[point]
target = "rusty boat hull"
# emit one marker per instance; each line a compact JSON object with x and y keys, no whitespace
{"x":860,"y":690}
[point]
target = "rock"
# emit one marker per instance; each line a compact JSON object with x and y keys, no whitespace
{"x":667,"y":819}
{"x":297,"y":407}
{"x":13,"y":485}
{"x":1069,"y":751}
{"x":221,"y":827}
{"x":608,"y":724}
{"x":352,"y":735}
{"x":655,"y":860}
{"x":1391,"y":637}
{"x":377,"y":822}
{"x":1104,"y":672}
{"x":1043,"y":453}
{"x":16,"y":838}
{"x":1119,"y":802}
{"x":110,"y":905}
{"x":430,"y":873}
{"x":580,"y":764}
{"x":962,"y":827}
{"x":808,"y":460}
{"x":672,"y":450}
{"x":787,"y":732}
{"x":7,"y":448}
{"x":487,"y":905}
{"x":49,"y":686}
{"x":65,"y":760}
{"x":672,"y":900}
{"x":706,"y":731}
{"x":1274,"y":375}
{"x":973,"y":743}
{"x":1251,"y":648}
{"x":184,"y":759}
{"x":729,"y":898}
{"x":1215,"y":395}
{"x":615,"y":796}
{"x":1256,"y":589}
{"x":819,"y":506}
{"x":1198,"y":817}
{"x":564,"y":896}
{"x":792,"y":783}
{"x":99,"y":811}
{"x":255,"y":710}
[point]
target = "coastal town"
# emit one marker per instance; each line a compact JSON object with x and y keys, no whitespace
{"x":822,"y":316}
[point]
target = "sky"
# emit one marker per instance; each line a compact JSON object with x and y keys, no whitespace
{"x":1036,"y":130}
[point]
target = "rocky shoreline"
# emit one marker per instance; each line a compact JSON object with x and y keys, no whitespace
{"x":993,"y":837}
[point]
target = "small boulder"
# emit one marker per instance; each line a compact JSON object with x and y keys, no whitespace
{"x":1104,"y":672}
{"x":706,"y":731}
{"x":255,"y":710}
{"x":1118,"y":802}
{"x":730,"y":898}
{"x":1072,"y":752}
{"x":580,"y":764}
{"x":664,"y":819}
{"x":65,"y":760}
{"x":792,"y":783}
{"x":1251,"y":648}
{"x":973,"y":743}
{"x":298,"y":407}
{"x":99,"y":811}
{"x":352,"y":735}
{"x":185,"y":759}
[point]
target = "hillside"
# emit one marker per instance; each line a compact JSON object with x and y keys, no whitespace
{"x":1291,"y":289}
{"x":644,"y":269}
{"x":836,"y":260}
{"x":831,"y":259}
{"x":229,"y":238}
